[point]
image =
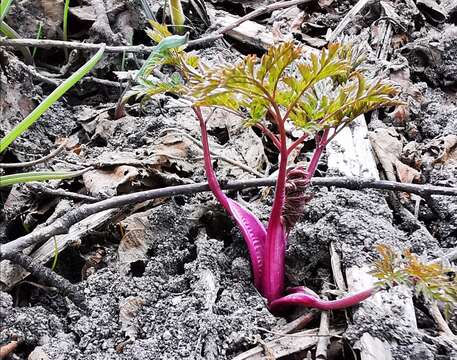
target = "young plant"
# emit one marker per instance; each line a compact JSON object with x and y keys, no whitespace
{"x":50,"y":100}
{"x":8,"y":180}
{"x":39,"y":34}
{"x":318,"y":95}
{"x":30,"y":119}
{"x":10,"y":33}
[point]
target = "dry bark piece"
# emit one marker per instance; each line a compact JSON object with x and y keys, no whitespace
{"x":283,"y":346}
{"x":11,"y":274}
{"x":249,"y":32}
{"x":373,"y":348}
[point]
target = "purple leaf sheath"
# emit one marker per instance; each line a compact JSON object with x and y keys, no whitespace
{"x":253,"y":231}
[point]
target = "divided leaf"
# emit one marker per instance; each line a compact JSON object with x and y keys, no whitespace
{"x":431,"y":280}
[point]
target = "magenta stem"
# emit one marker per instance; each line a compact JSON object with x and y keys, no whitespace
{"x":275,"y":245}
{"x":307,"y":300}
{"x":211,"y":176}
{"x":317,"y":155}
{"x":251,"y":227}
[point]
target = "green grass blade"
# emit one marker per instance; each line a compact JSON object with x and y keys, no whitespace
{"x":4,"y":7}
{"x":65,"y":20}
{"x":56,"y":255}
{"x":51,"y":99}
{"x":38,"y":37}
{"x":9,"y":180}
{"x":177,"y":16}
{"x":11,"y":34}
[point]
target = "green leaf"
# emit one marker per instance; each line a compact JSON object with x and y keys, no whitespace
{"x":51,"y":99}
{"x":9,"y":180}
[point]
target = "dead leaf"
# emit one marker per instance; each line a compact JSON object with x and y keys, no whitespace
{"x":388,"y":146}
{"x":128,"y":310}
{"x":448,"y":149}
{"x":405,"y":173}
{"x":106,"y":183}
{"x":295,"y":25}
{"x":132,"y":248}
{"x":276,"y":31}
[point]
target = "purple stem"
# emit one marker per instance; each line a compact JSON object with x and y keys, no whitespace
{"x":317,"y":155}
{"x":275,"y":245}
{"x":307,"y":300}
{"x":250,"y":226}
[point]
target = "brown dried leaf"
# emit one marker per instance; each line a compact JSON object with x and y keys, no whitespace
{"x":105,"y":183}
{"x":132,"y":248}
{"x":128,"y":310}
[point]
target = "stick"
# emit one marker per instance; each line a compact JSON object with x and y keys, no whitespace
{"x":61,"y":225}
{"x":440,"y":321}
{"x":324,"y":335}
{"x":40,"y":188}
{"x":49,"y":277}
{"x":34,"y":162}
{"x":48,"y":44}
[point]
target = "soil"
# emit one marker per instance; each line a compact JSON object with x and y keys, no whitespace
{"x":188,"y":293}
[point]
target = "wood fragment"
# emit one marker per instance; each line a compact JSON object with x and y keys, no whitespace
{"x":346,"y":20}
{"x":441,"y":322}
{"x":324,"y":332}
{"x":49,"y":277}
{"x":46,"y":252}
{"x":335,"y":261}
{"x":283,"y":346}
{"x":300,"y":322}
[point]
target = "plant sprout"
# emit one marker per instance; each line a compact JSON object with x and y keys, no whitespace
{"x":318,"y":96}
{"x":50,"y":100}
{"x":8,"y":180}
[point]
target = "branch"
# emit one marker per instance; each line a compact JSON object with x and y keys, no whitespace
{"x":48,"y":44}
{"x":48,"y":277}
{"x":61,"y":225}
{"x":34,"y":162}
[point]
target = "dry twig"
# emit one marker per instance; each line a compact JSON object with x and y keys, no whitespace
{"x":47,"y":44}
{"x":48,"y":277}
{"x":61,"y":225}
{"x":34,"y":162}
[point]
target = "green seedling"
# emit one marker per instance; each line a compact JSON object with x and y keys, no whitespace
{"x":318,"y":95}
{"x":9,"y":32}
{"x":50,"y":100}
{"x":39,"y":33}
{"x":8,"y":180}
{"x":177,"y":15}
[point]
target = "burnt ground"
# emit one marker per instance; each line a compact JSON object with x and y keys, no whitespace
{"x":171,"y":278}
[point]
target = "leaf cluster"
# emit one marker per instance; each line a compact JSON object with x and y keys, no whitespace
{"x":314,"y":92}
{"x":185,"y":63}
{"x":431,"y":280}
